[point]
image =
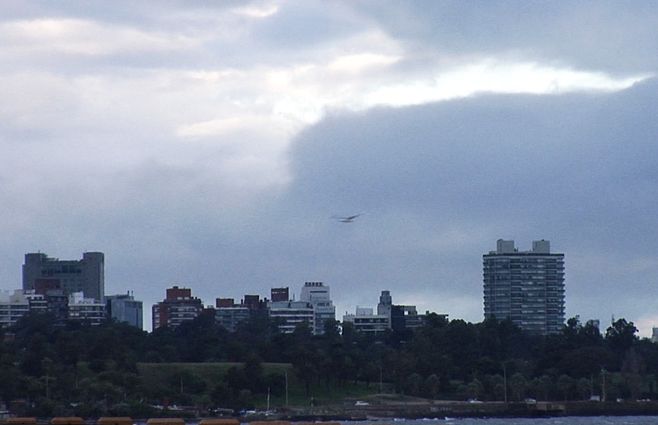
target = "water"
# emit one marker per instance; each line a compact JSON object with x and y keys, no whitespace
{"x":599,"y":420}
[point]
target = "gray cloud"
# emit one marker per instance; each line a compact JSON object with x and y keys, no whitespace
{"x":590,"y":34}
{"x":441,"y":182}
{"x":162,"y":148}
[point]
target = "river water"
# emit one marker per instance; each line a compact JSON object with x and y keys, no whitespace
{"x":598,"y":420}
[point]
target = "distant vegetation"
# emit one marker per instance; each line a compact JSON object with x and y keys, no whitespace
{"x":115,"y":369}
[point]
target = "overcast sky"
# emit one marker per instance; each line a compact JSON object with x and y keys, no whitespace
{"x":209,"y":144}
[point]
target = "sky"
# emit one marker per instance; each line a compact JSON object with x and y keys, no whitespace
{"x":209,"y":145}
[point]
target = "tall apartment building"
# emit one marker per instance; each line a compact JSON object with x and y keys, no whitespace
{"x":86,"y":275}
{"x":178,"y":306}
{"x":319,"y":296}
{"x":124,"y":308}
{"x":526,"y":287}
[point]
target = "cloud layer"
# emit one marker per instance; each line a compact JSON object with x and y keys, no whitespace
{"x":208,"y":145}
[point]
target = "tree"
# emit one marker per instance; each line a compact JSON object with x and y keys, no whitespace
{"x":475,"y":388}
{"x":566,"y":386}
{"x":518,"y":386}
{"x":584,"y":388}
{"x":621,"y":335}
{"x":413,"y":384}
{"x":432,"y":385}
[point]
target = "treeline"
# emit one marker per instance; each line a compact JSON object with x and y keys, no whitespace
{"x":90,"y":371}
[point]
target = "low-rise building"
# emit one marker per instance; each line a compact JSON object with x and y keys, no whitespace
{"x":280,"y":294}
{"x":229,"y":315}
{"x":125,"y":309}
{"x":13,"y":306}
{"x":366,"y":321}
{"x":38,"y":302}
{"x":405,"y":317}
{"x":291,"y":314}
{"x":178,"y":306}
{"x":86,"y":310}
{"x":389,"y":316}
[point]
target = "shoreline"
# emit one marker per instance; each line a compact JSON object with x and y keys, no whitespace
{"x":414,"y":411}
{"x":387,"y":413}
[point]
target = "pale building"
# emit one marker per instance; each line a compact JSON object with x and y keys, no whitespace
{"x":13,"y":306}
{"x":125,"y":309}
{"x":291,"y":314}
{"x":366,"y":321}
{"x":318,"y":294}
{"x":87,"y":310}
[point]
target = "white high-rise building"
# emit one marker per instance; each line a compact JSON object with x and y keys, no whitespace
{"x":526,"y":287}
{"x":318,"y":295}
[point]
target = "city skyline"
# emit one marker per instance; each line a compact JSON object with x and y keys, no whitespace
{"x":210,"y":145}
{"x":526,"y":287}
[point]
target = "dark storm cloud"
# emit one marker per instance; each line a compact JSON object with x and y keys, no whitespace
{"x":577,"y":169}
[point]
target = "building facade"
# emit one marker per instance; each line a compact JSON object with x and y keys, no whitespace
{"x":86,"y":275}
{"x":364,"y":320}
{"x":231,"y":317}
{"x":178,"y":306}
{"x":280,"y":294}
{"x":319,"y":296}
{"x":13,"y":306}
{"x":229,"y":314}
{"x":124,"y":308}
{"x":404,"y":317}
{"x":290,"y":314}
{"x":86,"y":310}
{"x":526,"y":287}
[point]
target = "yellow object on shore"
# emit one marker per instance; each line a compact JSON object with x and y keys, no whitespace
{"x":67,"y":420}
{"x":20,"y":421}
{"x":270,"y":423}
{"x":224,"y":421}
{"x":115,"y":420}
{"x":165,"y":421}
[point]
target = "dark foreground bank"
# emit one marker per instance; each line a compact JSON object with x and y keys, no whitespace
{"x":442,"y":409}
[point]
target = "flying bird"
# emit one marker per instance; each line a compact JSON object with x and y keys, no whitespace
{"x":347,"y":219}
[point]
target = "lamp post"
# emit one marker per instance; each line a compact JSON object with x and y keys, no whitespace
{"x":505,"y":381}
{"x":285,"y":374}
